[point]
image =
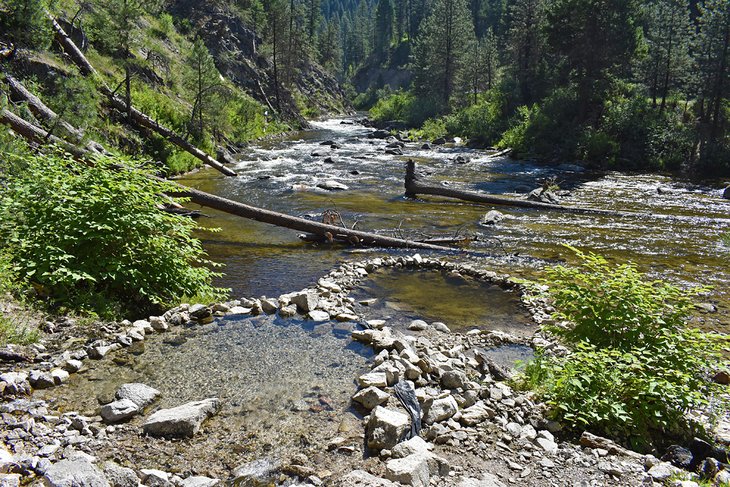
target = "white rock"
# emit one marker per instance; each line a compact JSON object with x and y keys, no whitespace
{"x":158,"y":323}
{"x":120,"y":476}
{"x":269,"y":306}
{"x":72,"y":365}
{"x":548,"y":445}
{"x":9,"y":480}
{"x":119,"y":410}
{"x":306,"y":301}
{"x":386,"y":427}
{"x":318,"y":315}
{"x":238,"y":310}
{"x":181,"y":421}
{"x":373,"y":379}
{"x":418,"y":325}
{"x":361,"y":478}
{"x":663,"y":471}
{"x":439,"y":409}
{"x":438,"y":326}
{"x":487,"y":480}
{"x":140,"y":394}
{"x":288,"y":311}
{"x":199,"y":481}
{"x":376,"y":324}
{"x":59,"y":376}
{"x":371,"y":397}
{"x":152,"y":477}
{"x":475,"y":414}
{"x":74,"y":473}
{"x":412,"y":470}
{"x":414,"y":445}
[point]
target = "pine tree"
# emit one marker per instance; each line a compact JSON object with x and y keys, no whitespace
{"x":713,"y":57}
{"x":330,"y":47}
{"x":383,"y":35}
{"x":439,"y":52}
{"x":597,"y":39}
{"x":203,"y":81}
{"x":526,"y":43}
{"x":668,"y":36}
{"x":26,"y":22}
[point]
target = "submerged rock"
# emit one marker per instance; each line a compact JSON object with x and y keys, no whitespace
{"x":542,"y":195}
{"x":492,"y":217}
{"x":181,"y":421}
{"x":332,"y":185}
{"x":726,"y":193}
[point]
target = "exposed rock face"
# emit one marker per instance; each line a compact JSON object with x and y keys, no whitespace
{"x":181,"y":421}
{"x":74,"y":473}
{"x":235,"y":49}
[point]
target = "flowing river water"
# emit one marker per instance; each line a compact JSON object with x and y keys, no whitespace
{"x":287,"y":383}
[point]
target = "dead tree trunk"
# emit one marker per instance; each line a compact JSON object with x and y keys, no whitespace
{"x":42,"y":111}
{"x":137,"y":117}
{"x":40,"y":136}
{"x":413,"y":188}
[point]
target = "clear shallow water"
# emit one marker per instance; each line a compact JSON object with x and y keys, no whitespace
{"x":463,"y":304}
{"x":683,"y":243}
{"x":280,"y":383}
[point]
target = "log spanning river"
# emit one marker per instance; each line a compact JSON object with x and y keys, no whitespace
{"x":285,"y":383}
{"x":285,"y":175}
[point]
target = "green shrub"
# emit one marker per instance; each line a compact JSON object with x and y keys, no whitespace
{"x":483,"y":121}
{"x":433,"y":128}
{"x":598,"y":148}
{"x":403,"y":106}
{"x":94,"y":239}
{"x":634,"y":369}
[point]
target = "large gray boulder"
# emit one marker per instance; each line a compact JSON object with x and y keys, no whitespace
{"x":74,"y":473}
{"x":306,"y":301}
{"x":119,"y":410}
{"x":182,"y":421}
{"x":361,"y":478}
{"x":140,"y":394}
{"x":439,"y":409}
{"x":386,"y":428}
{"x":119,"y":476}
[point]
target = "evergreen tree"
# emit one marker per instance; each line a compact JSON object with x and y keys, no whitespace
{"x":526,"y":43}
{"x":117,"y":20}
{"x":330,"y":47}
{"x":597,"y":39}
{"x":203,"y":81}
{"x":26,"y":22}
{"x":713,"y":57}
{"x":668,"y":36}
{"x":383,"y":35}
{"x":314,"y":19}
{"x":439,"y":52}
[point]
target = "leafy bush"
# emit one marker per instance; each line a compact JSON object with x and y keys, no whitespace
{"x":94,"y":239}
{"x":403,"y":106}
{"x":634,"y":369}
{"x":483,"y":121}
{"x":26,"y":22}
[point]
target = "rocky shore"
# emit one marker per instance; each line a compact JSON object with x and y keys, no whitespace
{"x":434,"y":409}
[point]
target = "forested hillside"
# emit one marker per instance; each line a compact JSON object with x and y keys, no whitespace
{"x":216,"y":73}
{"x":619,"y":84}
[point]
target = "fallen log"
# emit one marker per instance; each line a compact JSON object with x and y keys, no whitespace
{"x":42,"y":111}
{"x":38,"y":135}
{"x":137,"y":117}
{"x":414,"y":188}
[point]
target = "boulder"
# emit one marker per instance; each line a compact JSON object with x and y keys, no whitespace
{"x":678,"y":456}
{"x":726,"y":193}
{"x":74,"y":473}
{"x":140,"y":394}
{"x":439,"y":409}
{"x":373,"y":379}
{"x":9,"y":480}
{"x":152,"y":477}
{"x":441,"y":327}
{"x":361,"y":478}
{"x":119,"y":476}
{"x":200,"y":312}
{"x":453,"y":379}
{"x":418,"y":325}
{"x":119,"y":410}
{"x":257,"y":472}
{"x":386,"y":428}
{"x":199,"y":481}
{"x":412,"y":470}
{"x":332,"y":185}
{"x":542,"y":195}
{"x":318,"y":315}
{"x":379,"y":134}
{"x":181,"y":421}
{"x":371,"y":397}
{"x":476,"y":414}
{"x":492,"y":217}
{"x":306,"y":301}
{"x":269,"y":306}
{"x":41,"y":380}
{"x":414,"y":445}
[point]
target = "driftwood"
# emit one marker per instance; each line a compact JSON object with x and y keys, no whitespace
{"x":38,"y":135}
{"x":137,"y":117}
{"x":414,"y":188}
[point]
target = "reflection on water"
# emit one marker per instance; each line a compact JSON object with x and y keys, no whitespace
{"x":461,"y":303}
{"x":283,"y":175}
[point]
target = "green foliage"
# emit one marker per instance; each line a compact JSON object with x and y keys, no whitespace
{"x":94,"y":239}
{"x":26,"y":23}
{"x":484,"y":121}
{"x":402,"y":106}
{"x":634,"y":369}
{"x":76,"y":100}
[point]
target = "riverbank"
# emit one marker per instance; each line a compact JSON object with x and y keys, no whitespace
{"x":475,"y":425}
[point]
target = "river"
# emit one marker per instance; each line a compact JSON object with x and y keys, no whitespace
{"x":681,"y":242}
